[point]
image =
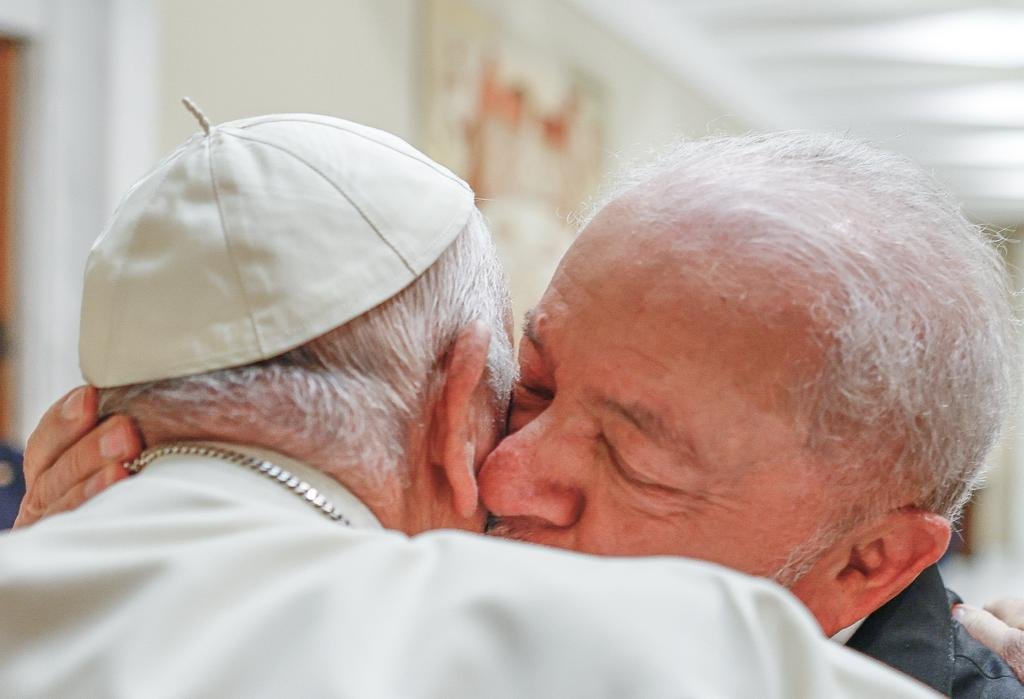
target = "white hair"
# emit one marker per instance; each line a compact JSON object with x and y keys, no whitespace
{"x":909,"y":299}
{"x":354,"y":395}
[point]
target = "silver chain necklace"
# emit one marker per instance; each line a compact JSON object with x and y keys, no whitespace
{"x":272,"y":471}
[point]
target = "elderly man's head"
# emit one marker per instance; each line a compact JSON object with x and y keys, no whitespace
{"x":316,"y":287}
{"x":417,"y":384}
{"x":786,"y":353}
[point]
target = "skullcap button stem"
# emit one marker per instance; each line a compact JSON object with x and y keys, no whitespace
{"x":200,"y":117}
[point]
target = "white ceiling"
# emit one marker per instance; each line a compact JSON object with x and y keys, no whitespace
{"x":942,"y":80}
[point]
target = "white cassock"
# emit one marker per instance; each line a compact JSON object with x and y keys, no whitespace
{"x":199,"y":578}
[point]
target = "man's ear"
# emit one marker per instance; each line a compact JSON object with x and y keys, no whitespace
{"x":871,"y":565}
{"x":456,"y":443}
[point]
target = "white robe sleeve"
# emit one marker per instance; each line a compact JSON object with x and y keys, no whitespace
{"x":204,"y":597}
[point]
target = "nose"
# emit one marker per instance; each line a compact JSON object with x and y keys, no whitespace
{"x":519,"y":480}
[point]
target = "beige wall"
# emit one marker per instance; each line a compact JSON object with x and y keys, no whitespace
{"x":646,"y":104}
{"x":359,"y":59}
{"x":364,"y":60}
{"x":349,"y":58}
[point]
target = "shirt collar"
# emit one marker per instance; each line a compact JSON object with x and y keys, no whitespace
{"x":843,"y":636}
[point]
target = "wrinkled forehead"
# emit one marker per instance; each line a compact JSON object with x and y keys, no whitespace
{"x":623,"y":286}
{"x":688,"y":268}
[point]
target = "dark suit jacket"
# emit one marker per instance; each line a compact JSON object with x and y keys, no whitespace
{"x":12,"y":485}
{"x":915,"y":634}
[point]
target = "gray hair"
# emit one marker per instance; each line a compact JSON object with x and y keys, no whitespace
{"x":355,"y":395}
{"x":909,"y":298}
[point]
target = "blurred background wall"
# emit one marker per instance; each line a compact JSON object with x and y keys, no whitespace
{"x":531,"y":101}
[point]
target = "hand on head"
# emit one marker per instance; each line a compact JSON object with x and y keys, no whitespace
{"x":70,"y":456}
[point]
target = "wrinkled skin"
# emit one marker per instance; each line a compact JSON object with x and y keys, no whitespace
{"x":1000,"y":626}
{"x":624,"y":424}
{"x":68,"y":458}
{"x":653,"y":417}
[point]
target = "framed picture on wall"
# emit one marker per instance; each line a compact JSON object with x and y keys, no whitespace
{"x":522,"y":126}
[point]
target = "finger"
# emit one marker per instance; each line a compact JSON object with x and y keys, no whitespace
{"x":87,"y":489}
{"x":1015,"y":655}
{"x":108,"y":446}
{"x":62,"y":425}
{"x":986,"y":628}
{"x":1008,"y":610}
{"x":996,"y":634}
{"x":25,"y":517}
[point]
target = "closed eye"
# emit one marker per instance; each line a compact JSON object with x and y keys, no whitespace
{"x":527,"y":402}
{"x":631,"y":474}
